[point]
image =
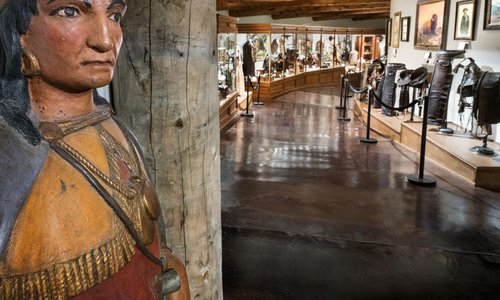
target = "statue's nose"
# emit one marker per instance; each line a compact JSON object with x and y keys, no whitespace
{"x":99,"y":37}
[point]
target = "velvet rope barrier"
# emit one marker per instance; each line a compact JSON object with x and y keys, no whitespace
{"x":396,"y":108}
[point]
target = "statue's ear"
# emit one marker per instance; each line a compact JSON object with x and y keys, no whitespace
{"x":30,"y":66}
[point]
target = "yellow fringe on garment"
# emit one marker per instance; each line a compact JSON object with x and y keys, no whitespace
{"x":68,"y":279}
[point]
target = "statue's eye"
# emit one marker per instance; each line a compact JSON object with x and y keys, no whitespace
{"x":66,"y":12}
{"x":117,"y":17}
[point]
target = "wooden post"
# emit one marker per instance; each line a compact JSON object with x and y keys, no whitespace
{"x":165,"y":90}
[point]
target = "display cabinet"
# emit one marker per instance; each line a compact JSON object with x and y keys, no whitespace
{"x":315,"y":51}
{"x":292,"y":57}
{"x":368,"y":47}
{"x":328,"y":46}
{"x":228,"y":70}
{"x":259,"y":42}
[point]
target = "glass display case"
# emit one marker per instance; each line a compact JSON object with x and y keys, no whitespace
{"x":283,"y":55}
{"x":230,"y":78}
{"x":301,"y":61}
{"x":277,"y":55}
{"x":315,"y":49}
{"x":328,"y":46}
{"x":291,"y":57}
{"x":290,"y":53}
{"x":260,"y":47}
{"x":226,"y":69}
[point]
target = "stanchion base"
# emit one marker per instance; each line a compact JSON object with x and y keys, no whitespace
{"x":368,"y":141}
{"x":339,"y":107}
{"x":258,"y":103}
{"x":250,"y":114}
{"x":412,"y":121}
{"x":416,"y":180}
{"x":344,"y":119}
{"x":483,"y":151}
{"x":446,"y":130}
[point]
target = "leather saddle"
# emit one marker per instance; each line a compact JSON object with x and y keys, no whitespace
{"x":410,"y":78}
{"x":486,"y":105}
{"x":485,"y":88}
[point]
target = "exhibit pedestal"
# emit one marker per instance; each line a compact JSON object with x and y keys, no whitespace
{"x":450,"y":151}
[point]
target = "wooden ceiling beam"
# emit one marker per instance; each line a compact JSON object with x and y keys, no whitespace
{"x":267,"y":4}
{"x":370,"y":17}
{"x":357,"y":16}
{"x":313,"y":12}
{"x":308,"y":10}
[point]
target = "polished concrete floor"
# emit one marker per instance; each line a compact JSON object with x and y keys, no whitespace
{"x":308,"y":212}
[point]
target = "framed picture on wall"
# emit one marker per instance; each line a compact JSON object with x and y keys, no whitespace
{"x":405,"y":29}
{"x":389,"y":32}
{"x":492,"y":15}
{"x":465,"y":20}
{"x":431,"y":24}
{"x":396,"y":29}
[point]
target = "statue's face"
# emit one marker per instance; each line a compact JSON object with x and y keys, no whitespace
{"x":76,"y":42}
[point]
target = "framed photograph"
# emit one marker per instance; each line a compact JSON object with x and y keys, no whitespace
{"x":465,"y":18}
{"x":396,"y":32}
{"x":431,"y":24}
{"x":492,"y":15}
{"x":405,"y":29}
{"x":389,"y":32}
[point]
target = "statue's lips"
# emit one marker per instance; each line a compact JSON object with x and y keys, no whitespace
{"x":98,"y":63}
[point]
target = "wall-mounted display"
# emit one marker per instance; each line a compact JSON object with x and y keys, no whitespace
{"x":396,"y":32}
{"x":465,"y":20}
{"x":405,"y":29}
{"x":492,"y":15}
{"x":431,"y":24}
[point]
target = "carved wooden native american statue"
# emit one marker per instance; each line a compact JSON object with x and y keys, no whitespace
{"x":78,"y":215}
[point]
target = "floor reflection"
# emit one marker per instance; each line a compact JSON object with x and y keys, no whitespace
{"x":299,"y":191}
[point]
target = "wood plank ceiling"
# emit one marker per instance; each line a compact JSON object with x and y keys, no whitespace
{"x":317,"y":9}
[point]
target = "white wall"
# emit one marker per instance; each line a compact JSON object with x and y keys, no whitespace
{"x":485,"y":48}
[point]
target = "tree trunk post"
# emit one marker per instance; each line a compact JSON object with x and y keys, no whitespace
{"x":165,"y":92}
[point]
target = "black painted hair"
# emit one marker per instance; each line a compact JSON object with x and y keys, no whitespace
{"x":15,"y":18}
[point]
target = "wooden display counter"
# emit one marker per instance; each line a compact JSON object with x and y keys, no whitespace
{"x":229,"y":111}
{"x":324,"y":77}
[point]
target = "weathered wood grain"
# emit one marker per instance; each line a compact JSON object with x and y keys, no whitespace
{"x":165,"y":91}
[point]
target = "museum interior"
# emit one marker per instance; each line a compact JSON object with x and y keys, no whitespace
{"x":250,"y":149}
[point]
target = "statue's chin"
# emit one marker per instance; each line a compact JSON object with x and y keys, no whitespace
{"x":82,"y":83}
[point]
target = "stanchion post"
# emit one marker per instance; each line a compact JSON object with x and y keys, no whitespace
{"x":421,"y":180}
{"x":346,"y":92}
{"x":368,"y":140}
{"x":247,"y":113}
{"x":258,"y":92}
{"x":342,"y":88}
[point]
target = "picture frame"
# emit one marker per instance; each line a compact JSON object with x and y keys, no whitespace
{"x":396,"y":30}
{"x":405,"y":29}
{"x":389,"y":32}
{"x":431,"y":24}
{"x":465,"y":20}
{"x":492,"y":15}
